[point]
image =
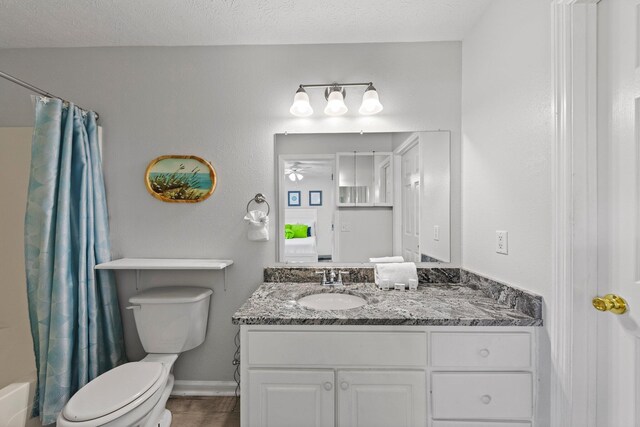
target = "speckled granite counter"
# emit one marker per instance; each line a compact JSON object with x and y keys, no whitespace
{"x":446,"y":304}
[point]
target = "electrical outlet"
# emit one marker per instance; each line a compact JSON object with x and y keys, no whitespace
{"x":502,"y":242}
{"x":345,"y":227}
{"x":436,"y":232}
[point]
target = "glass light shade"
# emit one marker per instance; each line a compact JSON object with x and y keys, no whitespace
{"x":301,"y":106}
{"x":292,"y":176}
{"x":370,"y":102}
{"x":299,"y":177}
{"x":335,"y":104}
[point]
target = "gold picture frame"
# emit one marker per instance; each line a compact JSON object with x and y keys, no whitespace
{"x":180,"y":179}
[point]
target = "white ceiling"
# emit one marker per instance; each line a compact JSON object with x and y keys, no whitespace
{"x":76,"y":23}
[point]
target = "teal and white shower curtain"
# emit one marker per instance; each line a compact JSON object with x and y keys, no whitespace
{"x":73,"y":308}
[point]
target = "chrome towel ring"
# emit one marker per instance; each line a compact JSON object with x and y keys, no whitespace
{"x":259,"y":198}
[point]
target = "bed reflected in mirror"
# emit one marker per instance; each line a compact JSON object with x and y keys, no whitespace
{"x":351,"y":197}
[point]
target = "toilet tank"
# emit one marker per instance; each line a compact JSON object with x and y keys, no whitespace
{"x":171,"y":319}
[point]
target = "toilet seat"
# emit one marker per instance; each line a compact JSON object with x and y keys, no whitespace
{"x":114,"y":390}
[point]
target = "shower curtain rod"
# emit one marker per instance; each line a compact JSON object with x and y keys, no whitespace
{"x":36,"y":89}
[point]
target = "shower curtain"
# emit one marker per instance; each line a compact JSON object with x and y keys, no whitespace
{"x":73,"y":308}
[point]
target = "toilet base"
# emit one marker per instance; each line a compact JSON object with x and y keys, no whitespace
{"x":160,"y":416}
{"x":165,"y":419}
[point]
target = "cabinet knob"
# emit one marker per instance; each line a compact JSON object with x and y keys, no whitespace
{"x":484,"y":352}
{"x":486,"y":399}
{"x":327,"y":386}
{"x":344,"y":385}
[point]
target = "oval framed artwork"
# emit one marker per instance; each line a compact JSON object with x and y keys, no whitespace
{"x":180,"y":179}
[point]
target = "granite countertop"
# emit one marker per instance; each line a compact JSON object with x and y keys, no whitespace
{"x":435,"y":304}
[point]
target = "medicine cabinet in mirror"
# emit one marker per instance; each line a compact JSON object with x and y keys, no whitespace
{"x":364,"y":179}
{"x":349,"y":197}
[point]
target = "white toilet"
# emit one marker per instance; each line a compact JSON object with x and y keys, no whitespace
{"x":170,"y":320}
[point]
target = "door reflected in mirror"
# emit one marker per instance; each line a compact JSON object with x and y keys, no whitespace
{"x":364,"y":196}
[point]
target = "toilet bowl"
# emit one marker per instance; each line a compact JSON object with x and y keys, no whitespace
{"x":169,"y":320}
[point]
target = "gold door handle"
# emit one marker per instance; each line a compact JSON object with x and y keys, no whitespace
{"x":610,"y":302}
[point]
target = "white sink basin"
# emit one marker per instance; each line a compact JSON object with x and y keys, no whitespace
{"x":332,"y":301}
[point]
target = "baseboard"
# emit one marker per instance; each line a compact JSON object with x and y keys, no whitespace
{"x":203,"y":388}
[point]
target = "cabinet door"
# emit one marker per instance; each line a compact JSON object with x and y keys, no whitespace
{"x":383,"y":188}
{"x":346,"y":179}
{"x":364,"y":187}
{"x":382,"y":399}
{"x":291,"y":398}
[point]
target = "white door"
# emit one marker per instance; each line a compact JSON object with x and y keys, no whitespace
{"x":618,"y":340}
{"x":382,"y":399}
{"x":279,"y":398}
{"x":411,"y":204}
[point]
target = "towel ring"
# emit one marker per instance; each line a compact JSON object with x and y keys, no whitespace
{"x":259,"y":198}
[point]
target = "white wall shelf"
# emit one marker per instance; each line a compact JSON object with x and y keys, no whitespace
{"x":165,"y":264}
{"x":139,"y":264}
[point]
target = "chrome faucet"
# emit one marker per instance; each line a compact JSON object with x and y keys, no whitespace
{"x":332,"y":277}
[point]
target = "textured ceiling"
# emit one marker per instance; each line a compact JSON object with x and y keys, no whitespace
{"x":75,"y":23}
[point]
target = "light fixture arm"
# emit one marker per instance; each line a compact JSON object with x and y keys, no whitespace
{"x":329,"y":85}
{"x":330,"y":89}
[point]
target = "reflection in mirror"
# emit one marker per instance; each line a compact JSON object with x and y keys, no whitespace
{"x":351,"y":197}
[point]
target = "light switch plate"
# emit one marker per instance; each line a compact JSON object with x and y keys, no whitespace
{"x":436,"y":232}
{"x":502,"y":242}
{"x":345,"y":227}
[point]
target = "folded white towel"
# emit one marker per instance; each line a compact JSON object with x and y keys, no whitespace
{"x":387,"y":259}
{"x":258,"y":226}
{"x":396,"y":272}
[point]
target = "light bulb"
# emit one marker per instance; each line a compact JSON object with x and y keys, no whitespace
{"x":301,"y":106}
{"x":292,"y":177}
{"x":335,"y":103}
{"x":299,"y":176}
{"x":370,"y":102}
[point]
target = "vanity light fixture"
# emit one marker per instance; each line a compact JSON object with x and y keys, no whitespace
{"x":335,"y":94}
{"x":370,"y":102}
{"x":335,"y":101}
{"x":301,"y":106}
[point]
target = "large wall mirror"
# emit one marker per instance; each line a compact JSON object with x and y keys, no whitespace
{"x":350,"y":197}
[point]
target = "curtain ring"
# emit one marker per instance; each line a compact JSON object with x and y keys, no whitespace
{"x":259,"y":198}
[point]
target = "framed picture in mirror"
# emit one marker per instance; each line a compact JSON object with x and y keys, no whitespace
{"x":294,"y":198}
{"x":315,"y":198}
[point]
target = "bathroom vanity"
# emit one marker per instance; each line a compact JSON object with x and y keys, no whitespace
{"x":461,"y":353}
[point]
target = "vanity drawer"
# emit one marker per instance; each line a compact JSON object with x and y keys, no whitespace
{"x":481,"y":350}
{"x":480,"y":424}
{"x":317,"y":348}
{"x":495,"y":395}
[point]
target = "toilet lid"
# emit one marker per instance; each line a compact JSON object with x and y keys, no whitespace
{"x":112,"y":390}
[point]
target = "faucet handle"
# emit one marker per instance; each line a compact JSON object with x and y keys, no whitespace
{"x":340,"y":273}
{"x":324,"y":276}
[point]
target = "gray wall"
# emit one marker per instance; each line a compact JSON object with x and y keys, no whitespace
{"x":224,"y":104}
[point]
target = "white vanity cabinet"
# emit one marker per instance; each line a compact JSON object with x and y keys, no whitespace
{"x":369,"y":398}
{"x":368,"y":376}
{"x":307,"y":398}
{"x":296,"y":398}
